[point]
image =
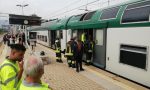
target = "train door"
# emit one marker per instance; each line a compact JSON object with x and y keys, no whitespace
{"x":53,"y":38}
{"x":88,"y":34}
{"x":49,"y":37}
{"x":99,"y":54}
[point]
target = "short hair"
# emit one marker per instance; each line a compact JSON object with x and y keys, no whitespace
{"x":18,"y":47}
{"x":32,"y":66}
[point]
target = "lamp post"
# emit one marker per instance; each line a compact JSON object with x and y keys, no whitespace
{"x":23,"y":26}
{"x":22,"y":6}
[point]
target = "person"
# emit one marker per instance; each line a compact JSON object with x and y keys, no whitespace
{"x":73,"y":43}
{"x":12,"y":68}
{"x":89,"y":46}
{"x":83,"y":37}
{"x":8,"y":39}
{"x":33,"y":70}
{"x":69,"y":53}
{"x":5,"y":38}
{"x":58,"y":51}
{"x":78,"y":53}
{"x":23,"y":38}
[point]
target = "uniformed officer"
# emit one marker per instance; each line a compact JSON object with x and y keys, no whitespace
{"x":12,"y":68}
{"x":89,"y":51}
{"x":73,"y":44}
{"x":69,"y":54}
{"x":58,"y":51}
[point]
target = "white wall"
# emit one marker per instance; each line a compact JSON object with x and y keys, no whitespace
{"x":64,"y":40}
{"x":69,"y":33}
{"x":132,"y":36}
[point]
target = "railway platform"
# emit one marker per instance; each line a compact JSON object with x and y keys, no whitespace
{"x":61,"y":77}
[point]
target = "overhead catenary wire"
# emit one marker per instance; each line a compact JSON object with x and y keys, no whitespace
{"x":75,"y":8}
{"x":77,"y":1}
{"x":89,"y":4}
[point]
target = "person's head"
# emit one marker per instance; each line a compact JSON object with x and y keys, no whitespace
{"x":17,"y":52}
{"x":34,"y":68}
{"x":79,"y":41}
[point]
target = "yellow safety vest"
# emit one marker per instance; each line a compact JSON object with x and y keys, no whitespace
{"x":69,"y":53}
{"x":42,"y":86}
{"x":83,"y":37}
{"x":8,"y":75}
{"x":57,"y":50}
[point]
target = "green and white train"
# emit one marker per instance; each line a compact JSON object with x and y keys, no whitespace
{"x":121,"y":33}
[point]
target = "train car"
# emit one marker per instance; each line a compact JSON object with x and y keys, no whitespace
{"x":128,"y":40}
{"x":42,"y":36}
{"x":87,"y":24}
{"x":122,"y":35}
{"x":61,"y":31}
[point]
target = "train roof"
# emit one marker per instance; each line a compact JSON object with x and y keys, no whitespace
{"x":58,"y":24}
{"x":107,"y":17}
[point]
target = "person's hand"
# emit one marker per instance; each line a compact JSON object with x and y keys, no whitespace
{"x":21,"y":64}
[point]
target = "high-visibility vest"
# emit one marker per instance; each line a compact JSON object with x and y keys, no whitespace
{"x":69,"y":51}
{"x":42,"y":86}
{"x":83,"y":39}
{"x":8,"y":75}
{"x":57,"y":50}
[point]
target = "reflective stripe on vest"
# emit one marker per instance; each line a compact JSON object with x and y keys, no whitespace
{"x":57,"y":50}
{"x":11,"y":78}
{"x":70,"y":52}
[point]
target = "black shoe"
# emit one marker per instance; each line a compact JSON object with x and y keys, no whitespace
{"x":82,"y":69}
{"x":57,"y":60}
{"x":73,"y":66}
{"x":77,"y":71}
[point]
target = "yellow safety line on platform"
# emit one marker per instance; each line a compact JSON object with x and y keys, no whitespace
{"x":110,"y":79}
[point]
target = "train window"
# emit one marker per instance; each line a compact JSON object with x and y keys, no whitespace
{"x":89,"y":15}
{"x":42,"y":38}
{"x":147,"y":3}
{"x":61,"y":34}
{"x":81,"y":19}
{"x":140,"y":14}
{"x":133,"y":55}
{"x":45,"y":38}
{"x":38,"y":36}
{"x":109,"y":13}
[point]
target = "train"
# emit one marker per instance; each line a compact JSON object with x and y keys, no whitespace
{"x":121,"y":34}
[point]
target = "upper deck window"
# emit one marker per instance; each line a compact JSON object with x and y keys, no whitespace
{"x":137,"y":13}
{"x":89,"y":15}
{"x":147,"y":3}
{"x":109,"y":13}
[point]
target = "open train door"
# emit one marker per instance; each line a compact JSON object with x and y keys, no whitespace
{"x":99,"y":54}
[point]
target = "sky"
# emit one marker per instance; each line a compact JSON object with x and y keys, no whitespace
{"x":50,"y":9}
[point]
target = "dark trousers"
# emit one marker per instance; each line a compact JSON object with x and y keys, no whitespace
{"x":4,"y":41}
{"x":69,"y":60}
{"x":58,"y":57}
{"x":79,"y":63}
{"x":88,"y":57}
